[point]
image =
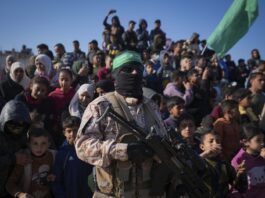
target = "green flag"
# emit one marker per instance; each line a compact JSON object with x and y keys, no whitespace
{"x":233,"y":26}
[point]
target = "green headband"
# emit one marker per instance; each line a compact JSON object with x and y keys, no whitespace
{"x":126,"y":57}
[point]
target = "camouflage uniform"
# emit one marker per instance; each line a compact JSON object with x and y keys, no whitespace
{"x":104,"y":145}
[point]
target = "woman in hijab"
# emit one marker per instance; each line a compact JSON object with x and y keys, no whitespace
{"x":5,"y":71}
{"x":83,"y":96}
{"x":16,"y":82}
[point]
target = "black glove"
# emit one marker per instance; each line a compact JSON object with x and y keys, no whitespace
{"x":138,"y":152}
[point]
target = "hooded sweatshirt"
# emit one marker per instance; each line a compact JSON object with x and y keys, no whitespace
{"x":9,"y":144}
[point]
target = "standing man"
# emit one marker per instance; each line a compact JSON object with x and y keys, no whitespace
{"x":78,"y":54}
{"x":157,"y":37}
{"x":124,"y":165}
{"x":92,"y":50}
{"x":129,"y":37}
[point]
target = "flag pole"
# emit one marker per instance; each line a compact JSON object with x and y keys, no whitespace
{"x":203,"y":50}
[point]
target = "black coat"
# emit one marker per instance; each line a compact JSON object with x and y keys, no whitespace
{"x":9,"y":89}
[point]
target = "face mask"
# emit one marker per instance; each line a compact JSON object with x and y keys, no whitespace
{"x":129,"y":85}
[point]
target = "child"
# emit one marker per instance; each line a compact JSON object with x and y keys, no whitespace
{"x":165,"y":68}
{"x":38,"y":103}
{"x":179,"y":87}
{"x":219,"y":174}
{"x":32,"y":180}
{"x":187,"y":129}
{"x":228,"y":129}
{"x":175,"y":106}
{"x":152,"y":81}
{"x":43,"y":66}
{"x":61,"y":98}
{"x":71,"y":173}
{"x":226,"y":94}
{"x":253,"y":142}
{"x":14,"y":123}
{"x":114,"y":47}
{"x":243,"y":97}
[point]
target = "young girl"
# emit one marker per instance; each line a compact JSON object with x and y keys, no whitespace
{"x":253,"y":142}
{"x":61,"y":98}
{"x":39,"y":105}
{"x":44,"y":68}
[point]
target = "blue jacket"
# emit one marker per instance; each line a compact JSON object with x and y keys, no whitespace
{"x":71,"y":174}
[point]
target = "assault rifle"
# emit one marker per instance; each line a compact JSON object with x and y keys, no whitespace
{"x":181,"y":160}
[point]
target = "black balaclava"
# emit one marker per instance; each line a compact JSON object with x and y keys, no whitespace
{"x":126,"y":83}
{"x":129,"y":85}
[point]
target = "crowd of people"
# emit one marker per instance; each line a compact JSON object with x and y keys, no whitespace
{"x":56,"y":142}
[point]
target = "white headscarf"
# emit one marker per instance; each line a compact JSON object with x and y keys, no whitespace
{"x":46,"y":61}
{"x":74,"y":104}
{"x":25,"y":80}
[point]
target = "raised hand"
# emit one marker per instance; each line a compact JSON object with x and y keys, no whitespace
{"x":111,"y":12}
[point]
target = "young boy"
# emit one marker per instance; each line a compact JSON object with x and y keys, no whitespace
{"x":228,"y":129}
{"x":71,"y":173}
{"x":187,"y":129}
{"x":14,"y":124}
{"x":151,"y":79}
{"x":175,"y":106}
{"x":220,"y":174}
{"x":32,"y":180}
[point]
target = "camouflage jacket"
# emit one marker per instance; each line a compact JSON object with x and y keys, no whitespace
{"x":96,"y":142}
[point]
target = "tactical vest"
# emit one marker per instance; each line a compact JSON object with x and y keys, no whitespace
{"x":124,"y":179}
